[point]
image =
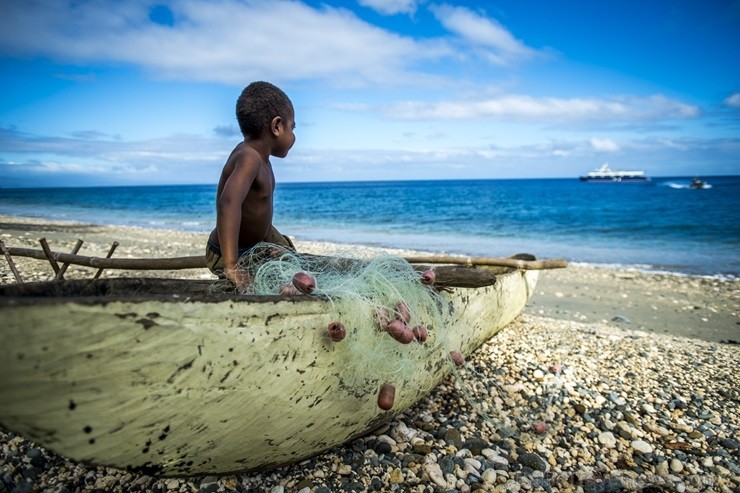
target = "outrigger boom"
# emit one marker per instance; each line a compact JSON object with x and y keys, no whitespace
{"x":198,"y":262}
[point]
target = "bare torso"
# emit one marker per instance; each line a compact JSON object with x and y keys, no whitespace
{"x":257,"y":207}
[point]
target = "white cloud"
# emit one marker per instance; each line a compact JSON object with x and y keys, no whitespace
{"x":733,"y":101}
{"x":604,"y":145}
{"x":37,"y":160}
{"x":230,"y":41}
{"x":110,"y":151}
{"x":484,"y":32}
{"x":226,"y":41}
{"x":391,"y":7}
{"x":673,"y":144}
{"x":546,"y":110}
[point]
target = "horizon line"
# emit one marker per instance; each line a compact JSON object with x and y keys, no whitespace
{"x":651,"y":179}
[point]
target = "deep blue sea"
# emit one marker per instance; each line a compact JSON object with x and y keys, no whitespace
{"x":660,"y":225}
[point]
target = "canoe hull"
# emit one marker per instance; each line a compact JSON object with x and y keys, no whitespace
{"x":200,"y":386}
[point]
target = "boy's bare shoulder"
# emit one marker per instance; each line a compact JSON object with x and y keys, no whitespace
{"x":243,"y":160}
{"x":244,"y":154}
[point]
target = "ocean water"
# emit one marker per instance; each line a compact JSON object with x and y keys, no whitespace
{"x":660,"y":225}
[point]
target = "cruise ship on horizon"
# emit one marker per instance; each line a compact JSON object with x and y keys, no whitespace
{"x":604,"y":174}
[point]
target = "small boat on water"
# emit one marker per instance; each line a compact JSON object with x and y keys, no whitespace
{"x":698,"y":184}
{"x":604,"y":174}
{"x":183,"y":377}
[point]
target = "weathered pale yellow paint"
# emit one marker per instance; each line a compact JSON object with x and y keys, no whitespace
{"x":182,"y":387}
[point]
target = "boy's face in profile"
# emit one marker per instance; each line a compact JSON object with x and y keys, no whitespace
{"x":286,"y":139}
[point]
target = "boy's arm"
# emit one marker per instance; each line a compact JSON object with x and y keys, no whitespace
{"x":229,"y":216}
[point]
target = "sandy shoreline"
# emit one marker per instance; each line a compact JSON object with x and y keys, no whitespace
{"x":644,"y":394}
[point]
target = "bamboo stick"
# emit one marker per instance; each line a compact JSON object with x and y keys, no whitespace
{"x":198,"y":262}
{"x":17,"y":274}
{"x":49,"y":257}
{"x":110,"y":254}
{"x":174,"y":263}
{"x":60,"y":274}
{"x":503,"y":262}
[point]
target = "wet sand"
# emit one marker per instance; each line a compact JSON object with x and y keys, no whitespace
{"x":701,"y":307}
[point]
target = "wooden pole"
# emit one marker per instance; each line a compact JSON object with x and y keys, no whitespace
{"x":110,"y":254}
{"x":49,"y":256}
{"x":198,"y":262}
{"x":17,"y":274}
{"x":60,"y":274}
{"x":174,"y":263}
{"x":503,"y":262}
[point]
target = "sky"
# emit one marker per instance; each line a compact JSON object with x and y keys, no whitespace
{"x":98,"y":93}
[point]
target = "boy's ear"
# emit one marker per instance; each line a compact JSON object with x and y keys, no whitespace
{"x":276,"y":126}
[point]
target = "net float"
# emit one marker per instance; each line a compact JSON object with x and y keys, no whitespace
{"x":420,"y":333}
{"x":304,"y":282}
{"x":400,"y":331}
{"x":386,"y":396}
{"x":336,"y":331}
{"x":428,"y":277}
{"x":404,"y":313}
{"x":457,"y":358}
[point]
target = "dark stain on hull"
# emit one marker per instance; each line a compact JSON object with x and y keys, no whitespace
{"x":165,"y":432}
{"x":146,"y":323}
{"x":126,"y":315}
{"x":226,"y":376}
{"x":181,"y":368}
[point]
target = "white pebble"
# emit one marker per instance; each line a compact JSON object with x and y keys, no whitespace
{"x":473,"y":463}
{"x":435,"y":474}
{"x":647,"y":408}
{"x":400,"y":432}
{"x":642,"y":446}
{"x":676,"y":465}
{"x":489,"y":476}
{"x":607,"y":439}
{"x":387,"y":439}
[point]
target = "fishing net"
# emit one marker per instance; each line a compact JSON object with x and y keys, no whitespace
{"x":365,"y":292}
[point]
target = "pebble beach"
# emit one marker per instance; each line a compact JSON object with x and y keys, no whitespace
{"x":611,"y":380}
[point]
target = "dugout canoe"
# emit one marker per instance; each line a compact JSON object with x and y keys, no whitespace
{"x":167,"y":377}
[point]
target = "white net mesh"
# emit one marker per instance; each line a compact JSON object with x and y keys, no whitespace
{"x":366,"y":292}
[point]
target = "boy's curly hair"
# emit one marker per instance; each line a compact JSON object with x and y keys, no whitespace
{"x":258,"y":104}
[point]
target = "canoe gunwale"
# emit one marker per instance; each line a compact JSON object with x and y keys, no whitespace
{"x":34,"y":294}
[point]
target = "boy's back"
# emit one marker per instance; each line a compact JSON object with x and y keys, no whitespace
{"x":256,"y":207}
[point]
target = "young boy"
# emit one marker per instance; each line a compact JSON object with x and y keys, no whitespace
{"x":245,"y":190}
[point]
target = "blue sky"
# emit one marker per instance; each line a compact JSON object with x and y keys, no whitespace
{"x":143,"y":92}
